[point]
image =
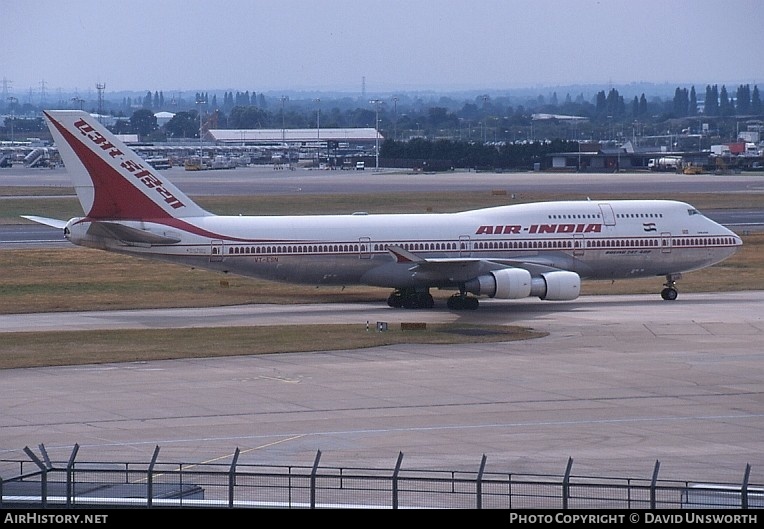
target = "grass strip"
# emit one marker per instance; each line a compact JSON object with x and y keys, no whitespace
{"x":38,"y":349}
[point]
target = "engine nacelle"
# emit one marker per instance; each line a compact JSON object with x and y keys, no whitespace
{"x":557,"y":286}
{"x":506,"y":283}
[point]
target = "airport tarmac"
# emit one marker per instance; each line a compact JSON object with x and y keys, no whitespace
{"x":618,"y":383}
{"x":263,"y":180}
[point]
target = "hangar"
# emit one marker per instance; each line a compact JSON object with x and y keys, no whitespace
{"x":350,"y":136}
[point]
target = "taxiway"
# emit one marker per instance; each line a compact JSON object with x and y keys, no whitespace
{"x":619,"y":382}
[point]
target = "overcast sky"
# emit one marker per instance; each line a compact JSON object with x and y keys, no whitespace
{"x":393,"y":44}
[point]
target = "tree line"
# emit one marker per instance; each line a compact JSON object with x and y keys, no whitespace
{"x":481,"y":118}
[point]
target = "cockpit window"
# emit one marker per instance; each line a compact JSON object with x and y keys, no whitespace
{"x":692,"y":212}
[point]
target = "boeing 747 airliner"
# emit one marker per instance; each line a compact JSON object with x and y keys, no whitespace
{"x":507,"y":252}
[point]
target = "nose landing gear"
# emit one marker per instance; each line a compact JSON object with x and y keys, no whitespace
{"x":670,"y":293}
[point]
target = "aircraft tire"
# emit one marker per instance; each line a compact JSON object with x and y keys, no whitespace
{"x":669,"y":294}
{"x":459,"y":302}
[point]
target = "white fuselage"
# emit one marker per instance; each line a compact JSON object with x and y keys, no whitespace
{"x":596,"y":240}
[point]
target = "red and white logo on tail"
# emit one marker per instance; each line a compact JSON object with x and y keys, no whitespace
{"x":112,"y":182}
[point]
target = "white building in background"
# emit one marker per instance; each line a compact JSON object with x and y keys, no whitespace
{"x":163,"y":118}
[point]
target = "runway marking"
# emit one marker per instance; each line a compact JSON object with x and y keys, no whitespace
{"x":213,"y":460}
{"x":266,"y":445}
{"x":294,"y":436}
{"x":277,"y":379}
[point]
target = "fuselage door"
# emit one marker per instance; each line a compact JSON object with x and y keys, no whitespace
{"x":608,"y":217}
{"x":578,"y":244}
{"x":216,"y":251}
{"x":364,"y":247}
{"x":464,"y":246}
{"x":665,"y":242}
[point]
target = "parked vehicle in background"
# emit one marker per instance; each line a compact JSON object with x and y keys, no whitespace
{"x":665,"y":163}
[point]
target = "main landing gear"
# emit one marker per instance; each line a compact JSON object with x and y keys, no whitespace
{"x":410,"y":298}
{"x":669,"y":293}
{"x":462,"y":302}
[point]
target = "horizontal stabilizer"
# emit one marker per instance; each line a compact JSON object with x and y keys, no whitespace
{"x":128,"y":235}
{"x":53,"y":223}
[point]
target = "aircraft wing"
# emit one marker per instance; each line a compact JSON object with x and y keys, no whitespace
{"x":465,"y":268}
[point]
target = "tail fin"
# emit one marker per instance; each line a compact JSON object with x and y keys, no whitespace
{"x":111,"y":180}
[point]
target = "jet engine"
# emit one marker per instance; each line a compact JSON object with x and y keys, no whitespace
{"x":556,"y":286}
{"x":515,"y":283}
{"x":506,"y":283}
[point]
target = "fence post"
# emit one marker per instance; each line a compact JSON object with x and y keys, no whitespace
{"x":744,"y":488}
{"x":150,"y":478}
{"x":479,"y":484}
{"x":232,"y":478}
{"x":653,"y":484}
{"x":43,"y":476}
{"x":313,"y":480}
{"x":395,"y":479}
{"x":45,"y":456}
{"x":566,"y":484}
{"x":70,"y":476}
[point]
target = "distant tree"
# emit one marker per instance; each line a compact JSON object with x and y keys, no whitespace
{"x":600,"y":102}
{"x":712,"y":101}
{"x":440,"y":118}
{"x":242,"y":99}
{"x":121,"y":126}
{"x":681,"y":102}
{"x":635,"y":107}
{"x":693,"y":110}
{"x":756,"y":107}
{"x":143,"y":122}
{"x":469,"y":111}
{"x":183,"y":125}
{"x":643,"y":105}
{"x":247,"y":117}
{"x":147,"y":100}
{"x":725,"y":107}
{"x":161,"y":100}
{"x":615,"y":104}
{"x":155,"y":104}
{"x":743,"y":100}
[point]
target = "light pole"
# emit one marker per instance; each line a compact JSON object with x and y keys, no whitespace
{"x":395,"y":118}
{"x":283,"y":132}
{"x":376,"y":103}
{"x":318,"y":129}
{"x":200,"y":102}
{"x":13,"y":102}
{"x":318,"y":117}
